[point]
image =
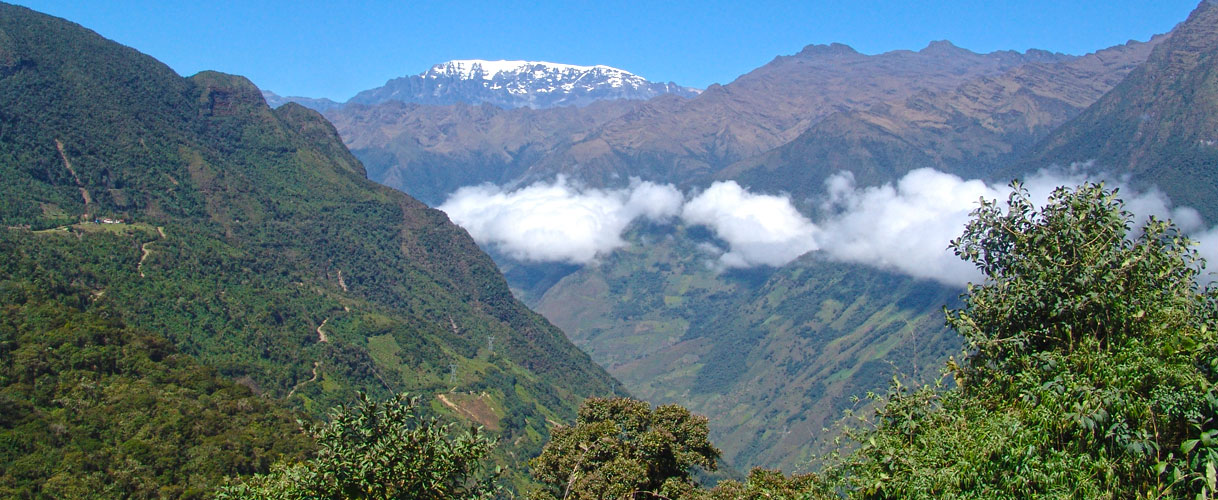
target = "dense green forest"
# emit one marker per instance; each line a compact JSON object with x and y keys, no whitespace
{"x":91,"y":406}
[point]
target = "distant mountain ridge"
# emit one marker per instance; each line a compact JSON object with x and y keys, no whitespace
{"x":666,"y":139}
{"x":518,"y":84}
{"x":320,"y":104}
{"x":1158,"y":126}
{"x":970,"y":131}
{"x":506,"y":84}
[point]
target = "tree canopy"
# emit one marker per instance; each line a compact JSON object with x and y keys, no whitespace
{"x":621,"y":446}
{"x":380,"y":450}
{"x":1089,"y":368}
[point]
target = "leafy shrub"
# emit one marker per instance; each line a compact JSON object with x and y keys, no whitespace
{"x":380,"y":450}
{"x":619,"y":447}
{"x":1089,"y":369}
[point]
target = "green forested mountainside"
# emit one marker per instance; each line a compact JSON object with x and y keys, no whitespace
{"x":970,"y":130}
{"x":1158,"y":126}
{"x":773,"y":355}
{"x":252,"y":241}
{"x":92,"y":407}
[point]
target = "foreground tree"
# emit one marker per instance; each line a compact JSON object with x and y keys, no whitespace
{"x":1090,"y":367}
{"x":380,"y":450}
{"x":621,"y":448}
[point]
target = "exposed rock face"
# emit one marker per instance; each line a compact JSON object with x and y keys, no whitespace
{"x":1158,"y":126}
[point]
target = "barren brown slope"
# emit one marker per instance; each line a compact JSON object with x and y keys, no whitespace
{"x":429,"y":151}
{"x":1159,"y":125}
{"x":681,"y":141}
{"x":968,"y":130}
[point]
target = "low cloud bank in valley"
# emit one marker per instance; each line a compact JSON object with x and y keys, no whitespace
{"x":761,"y":229}
{"x":557,"y":221}
{"x":906,"y":226}
{"x":903,"y":226}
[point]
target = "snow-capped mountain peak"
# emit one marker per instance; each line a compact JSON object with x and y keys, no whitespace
{"x":469,"y":69}
{"x":513,"y":83}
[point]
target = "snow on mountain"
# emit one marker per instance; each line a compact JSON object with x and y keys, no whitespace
{"x":469,"y":68}
{"x":513,"y":84}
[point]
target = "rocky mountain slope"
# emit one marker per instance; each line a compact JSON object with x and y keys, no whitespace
{"x":765,"y":108}
{"x":205,"y":229}
{"x":427,"y":151}
{"x":969,"y":130}
{"x":666,"y":138}
{"x":1159,"y":125}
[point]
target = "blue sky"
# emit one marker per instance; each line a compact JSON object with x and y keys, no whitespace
{"x":335,"y":49}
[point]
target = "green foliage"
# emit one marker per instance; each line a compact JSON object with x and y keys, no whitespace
{"x":621,"y":447}
{"x":93,"y":407}
{"x":1090,"y":367}
{"x":761,"y":484}
{"x":1070,"y":277}
{"x":380,"y":450}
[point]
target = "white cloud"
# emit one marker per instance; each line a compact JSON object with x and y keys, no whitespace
{"x":907,"y":226}
{"x":760,"y":229}
{"x":903,"y":226}
{"x":1207,"y":248}
{"x":556,"y":221}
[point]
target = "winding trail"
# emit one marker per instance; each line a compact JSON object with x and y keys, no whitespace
{"x":140,"y":266}
{"x":146,"y":252}
{"x":84,"y":193}
{"x":301,"y":384}
{"x":321,"y":336}
{"x":450,"y":404}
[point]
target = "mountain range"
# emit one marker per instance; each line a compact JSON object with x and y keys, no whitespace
{"x":1158,"y":125}
{"x":674,"y":330}
{"x":663,"y":139}
{"x":971,"y":130}
{"x":505,"y":84}
{"x":516,"y":84}
{"x":188,"y":275}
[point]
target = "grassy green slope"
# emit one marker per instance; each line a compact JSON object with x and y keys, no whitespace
{"x":252,"y":240}
{"x":772,"y":356}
